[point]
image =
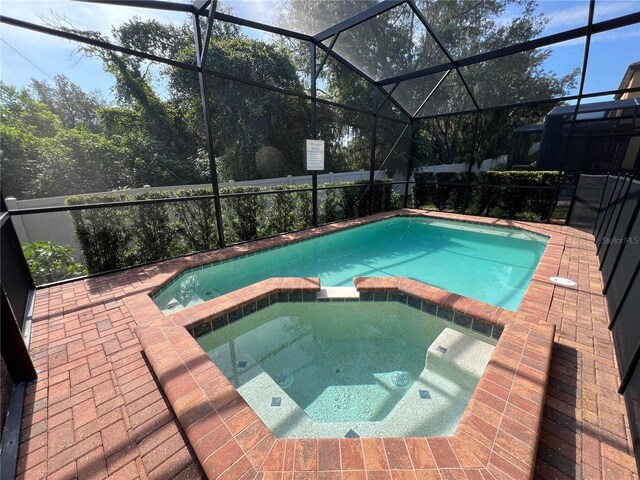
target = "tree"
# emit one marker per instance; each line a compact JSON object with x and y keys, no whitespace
{"x":157,"y":128}
{"x":42,"y":157}
{"x":258,"y":133}
{"x":396,"y":42}
{"x":69,"y":102}
{"x":153,"y":132}
{"x":23,"y":123}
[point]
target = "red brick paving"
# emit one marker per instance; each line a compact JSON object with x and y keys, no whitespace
{"x":122,"y":425}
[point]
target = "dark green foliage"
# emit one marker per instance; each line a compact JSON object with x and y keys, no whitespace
{"x":385,"y":197}
{"x":281,"y":212}
{"x":196,"y":221}
{"x":242,"y":214}
{"x":155,"y":233}
{"x":441,"y":194}
{"x":49,"y":262}
{"x":303,"y":202}
{"x":355,"y":201}
{"x":118,"y":237}
{"x":498,"y":199}
{"x":525,"y":168}
{"x":288,"y":211}
{"x":330,"y":209}
{"x":514,"y":202}
{"x":352,"y":202}
{"x":105,"y":234}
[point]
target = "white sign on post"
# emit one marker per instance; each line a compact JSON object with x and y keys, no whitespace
{"x":315,"y":154}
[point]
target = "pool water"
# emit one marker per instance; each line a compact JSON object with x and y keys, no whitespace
{"x":490,"y":264}
{"x":335,"y":367}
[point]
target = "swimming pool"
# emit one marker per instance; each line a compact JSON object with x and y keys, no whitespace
{"x":490,"y":264}
{"x":351,"y":368}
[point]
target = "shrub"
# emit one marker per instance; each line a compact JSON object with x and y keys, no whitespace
{"x":241,"y":215}
{"x":118,"y":237}
{"x":385,"y":198}
{"x":303,"y":210}
{"x":288,"y":211}
{"x":516,"y":201}
{"x":155,"y":234}
{"x":105,"y":234}
{"x":49,"y":262}
{"x":196,"y":221}
{"x":438,"y":191}
{"x":525,"y":168}
{"x":490,"y":193}
{"x":331,"y":206}
{"x":355,"y":200}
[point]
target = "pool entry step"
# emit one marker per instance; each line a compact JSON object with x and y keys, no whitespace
{"x":338,"y":293}
{"x":458,"y":354}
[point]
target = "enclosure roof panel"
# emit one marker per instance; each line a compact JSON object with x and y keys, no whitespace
{"x":308,"y":17}
{"x":437,"y":57}
{"x":421,"y":35}
{"x":468,"y":28}
{"x":390,"y":44}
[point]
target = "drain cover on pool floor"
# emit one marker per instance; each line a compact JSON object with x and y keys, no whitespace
{"x":401,"y":379}
{"x":284,"y":378}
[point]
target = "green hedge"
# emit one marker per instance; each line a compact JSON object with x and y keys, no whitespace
{"x":437,"y":194}
{"x":500,"y":199}
{"x":118,"y":237}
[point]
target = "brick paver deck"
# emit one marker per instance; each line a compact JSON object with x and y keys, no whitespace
{"x":97,"y":410}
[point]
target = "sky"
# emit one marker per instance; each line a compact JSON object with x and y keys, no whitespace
{"x":25,"y":54}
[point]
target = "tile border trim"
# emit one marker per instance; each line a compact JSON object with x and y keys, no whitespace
{"x":481,"y":326}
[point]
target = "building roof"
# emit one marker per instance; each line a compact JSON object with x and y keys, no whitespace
{"x":626,"y":79}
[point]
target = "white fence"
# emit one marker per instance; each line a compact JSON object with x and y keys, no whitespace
{"x":485,"y":165}
{"x":58,"y":227}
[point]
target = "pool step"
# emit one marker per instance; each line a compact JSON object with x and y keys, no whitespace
{"x":462,"y":352}
{"x":338,"y":292}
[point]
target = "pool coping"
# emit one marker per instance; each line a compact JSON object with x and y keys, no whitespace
{"x":512,"y":387}
{"x":497,"y":435}
{"x":298,"y":238}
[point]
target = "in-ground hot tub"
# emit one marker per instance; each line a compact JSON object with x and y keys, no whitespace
{"x":367,"y":369}
{"x":486,"y":263}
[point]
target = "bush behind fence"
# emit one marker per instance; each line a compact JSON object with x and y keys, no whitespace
{"x":492,"y":193}
{"x":118,"y":237}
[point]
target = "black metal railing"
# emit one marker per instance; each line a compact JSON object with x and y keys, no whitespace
{"x":468,"y":188}
{"x":365,"y":187}
{"x":16,"y":302}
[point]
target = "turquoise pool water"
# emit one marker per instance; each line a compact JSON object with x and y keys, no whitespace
{"x":490,"y":264}
{"x":323,"y":369}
